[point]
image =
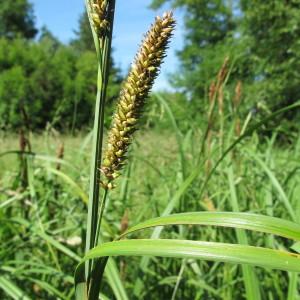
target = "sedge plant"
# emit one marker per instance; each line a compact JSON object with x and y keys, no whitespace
{"x":132,"y":98}
{"x":106,"y":168}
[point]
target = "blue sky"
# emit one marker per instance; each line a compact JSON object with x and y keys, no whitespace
{"x":132,"y":20}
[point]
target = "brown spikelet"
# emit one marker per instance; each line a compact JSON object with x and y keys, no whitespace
{"x":212,"y":92}
{"x":124,"y":222}
{"x":209,"y":204}
{"x":221,"y":101}
{"x":208,"y":152}
{"x":223,"y":72}
{"x":22,"y":140}
{"x":238,"y":128}
{"x":60,"y":154}
{"x":236,"y":104}
{"x":135,"y":90}
{"x":98,"y":10}
{"x":238,"y":95}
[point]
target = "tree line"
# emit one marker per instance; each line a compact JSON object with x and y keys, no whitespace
{"x":54,"y":83}
{"x":260,"y":37}
{"x":43,"y":81}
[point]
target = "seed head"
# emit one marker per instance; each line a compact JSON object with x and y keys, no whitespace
{"x":223,"y":72}
{"x":134,"y":93}
{"x":238,"y":95}
{"x":98,"y":10}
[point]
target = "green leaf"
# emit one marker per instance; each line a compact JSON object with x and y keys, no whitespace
{"x":248,"y":221}
{"x":113,"y":277}
{"x":250,"y":279}
{"x":12,"y":290}
{"x":296,"y":247}
{"x":276,"y":185}
{"x":75,"y":187}
{"x":57,"y":245}
{"x":210,"y":251}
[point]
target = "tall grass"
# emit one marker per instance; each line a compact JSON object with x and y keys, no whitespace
{"x":189,"y":207}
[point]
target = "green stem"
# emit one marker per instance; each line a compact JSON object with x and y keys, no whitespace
{"x":101,"y":211}
{"x":95,"y":176}
{"x":95,"y":209}
{"x":99,"y":264}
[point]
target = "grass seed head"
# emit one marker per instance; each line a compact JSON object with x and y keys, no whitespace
{"x":98,"y":10}
{"x":238,"y":95}
{"x":223,"y":72}
{"x":135,"y":91}
{"x":22,"y":140}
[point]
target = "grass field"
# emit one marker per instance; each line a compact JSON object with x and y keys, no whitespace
{"x":202,"y":202}
{"x":113,"y":190}
{"x":43,"y":226}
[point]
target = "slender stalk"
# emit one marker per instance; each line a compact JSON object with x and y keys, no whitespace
{"x":101,"y":211}
{"x":94,"y":176}
{"x":103,"y":49}
{"x":132,"y":99}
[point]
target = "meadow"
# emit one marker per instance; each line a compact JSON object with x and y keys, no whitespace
{"x":43,"y":225}
{"x":171,"y":197}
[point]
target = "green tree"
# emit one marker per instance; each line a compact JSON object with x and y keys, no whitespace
{"x":48,"y":39}
{"x":12,"y":88}
{"x":261,"y":37}
{"x":52,"y":81}
{"x":40,"y":80}
{"x":17,"y":19}
{"x":273,"y":28}
{"x":209,"y":26}
{"x":84,"y":44}
{"x":84,"y":38}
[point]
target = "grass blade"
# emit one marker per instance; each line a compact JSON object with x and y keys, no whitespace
{"x":247,"y":133}
{"x":276,"y":185}
{"x":11,"y":289}
{"x":248,"y":221}
{"x":210,"y":251}
{"x":113,"y":277}
{"x":75,"y":187}
{"x":249,"y":276}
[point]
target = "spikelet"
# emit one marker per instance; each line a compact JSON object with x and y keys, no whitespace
{"x":22,"y":140}
{"x":237,"y":96}
{"x":98,"y":10}
{"x":223,"y":72}
{"x":60,"y":154}
{"x":134,"y":92}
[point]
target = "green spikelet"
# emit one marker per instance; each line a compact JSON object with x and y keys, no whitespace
{"x":134,"y":93}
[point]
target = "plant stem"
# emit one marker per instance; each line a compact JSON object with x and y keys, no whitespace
{"x":95,"y":176}
{"x":95,"y":209}
{"x":101,"y":211}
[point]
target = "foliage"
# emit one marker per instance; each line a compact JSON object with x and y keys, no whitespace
{"x":84,"y":39}
{"x":209,"y":202}
{"x":17,"y":19}
{"x":261,"y":38}
{"x":274,"y":30}
{"x":52,"y":81}
{"x":40,"y":264}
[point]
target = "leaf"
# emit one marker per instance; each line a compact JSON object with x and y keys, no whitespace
{"x":247,"y":133}
{"x":113,"y":277}
{"x":250,"y":279}
{"x":12,"y":290}
{"x":76,"y":188}
{"x":296,"y":247}
{"x":248,"y":221}
{"x":276,"y":185}
{"x":210,"y":251}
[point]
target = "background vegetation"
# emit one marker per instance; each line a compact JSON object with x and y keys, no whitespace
{"x":240,"y":63}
